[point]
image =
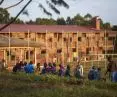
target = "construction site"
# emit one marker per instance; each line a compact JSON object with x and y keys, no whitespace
{"x":55,"y":43}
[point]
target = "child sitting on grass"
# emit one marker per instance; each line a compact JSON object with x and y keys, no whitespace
{"x":44,"y":69}
{"x":92,"y":75}
{"x":61,"y":70}
{"x":29,"y":68}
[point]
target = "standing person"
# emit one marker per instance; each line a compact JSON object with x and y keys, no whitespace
{"x":111,"y":69}
{"x":115,"y":77}
{"x":2,"y":67}
{"x":79,"y":71}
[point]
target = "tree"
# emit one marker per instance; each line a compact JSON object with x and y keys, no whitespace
{"x":106,"y":26}
{"x":45,"y":21}
{"x":87,"y":17}
{"x":30,"y":22}
{"x":4,"y":16}
{"x":10,"y":22}
{"x":17,"y":21}
{"x":51,"y":3}
{"x":69,"y":21}
{"x":78,"y":20}
{"x":61,"y":21}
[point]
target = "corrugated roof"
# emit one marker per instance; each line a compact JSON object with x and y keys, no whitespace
{"x":15,"y":42}
{"x":49,"y":28}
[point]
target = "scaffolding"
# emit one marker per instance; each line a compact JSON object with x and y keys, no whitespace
{"x":27,"y":45}
{"x":9,"y":44}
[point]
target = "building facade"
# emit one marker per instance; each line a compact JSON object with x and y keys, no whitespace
{"x":62,"y":43}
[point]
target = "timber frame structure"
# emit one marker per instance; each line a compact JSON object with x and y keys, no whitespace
{"x":55,"y":43}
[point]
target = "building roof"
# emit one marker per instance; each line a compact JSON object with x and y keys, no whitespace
{"x":49,"y":28}
{"x":15,"y":42}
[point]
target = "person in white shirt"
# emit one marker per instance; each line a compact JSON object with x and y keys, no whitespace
{"x":81,"y":70}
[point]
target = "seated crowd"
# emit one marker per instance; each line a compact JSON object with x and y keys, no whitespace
{"x":50,"y":68}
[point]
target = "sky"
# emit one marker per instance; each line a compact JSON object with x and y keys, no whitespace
{"x":105,"y":9}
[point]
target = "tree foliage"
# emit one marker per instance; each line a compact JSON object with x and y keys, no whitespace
{"x":4,"y":16}
{"x":85,"y":20}
{"x":52,"y":4}
{"x":44,"y":21}
{"x":61,"y":21}
{"x":69,"y":21}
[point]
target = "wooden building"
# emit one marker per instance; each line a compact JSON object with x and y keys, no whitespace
{"x":61,"y":43}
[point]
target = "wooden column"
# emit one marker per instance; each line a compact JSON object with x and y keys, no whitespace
{"x":77,"y":46}
{"x":5,"y":57}
{"x":77,"y":50}
{"x":25,"y":55}
{"x":62,"y":48}
{"x":67,"y":47}
{"x":21,"y":54}
{"x":35,"y":56}
{"x":15,"y":56}
{"x":53,"y":57}
{"x":57,"y":47}
{"x":35,"y":49}
{"x":28,"y":46}
{"x":105,"y":47}
{"x":9,"y":60}
{"x":46,"y":48}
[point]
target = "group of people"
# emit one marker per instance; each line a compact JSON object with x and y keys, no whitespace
{"x":24,"y":66}
{"x":63,"y":70}
{"x":94,"y":73}
{"x":51,"y":68}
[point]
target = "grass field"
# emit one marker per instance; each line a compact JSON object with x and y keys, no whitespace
{"x":23,"y":85}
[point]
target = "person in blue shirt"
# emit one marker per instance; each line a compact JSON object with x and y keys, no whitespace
{"x":115,"y":77}
{"x":92,"y":75}
{"x":98,"y":74}
{"x":29,"y":68}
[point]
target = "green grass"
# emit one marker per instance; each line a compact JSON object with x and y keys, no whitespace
{"x":23,"y":85}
